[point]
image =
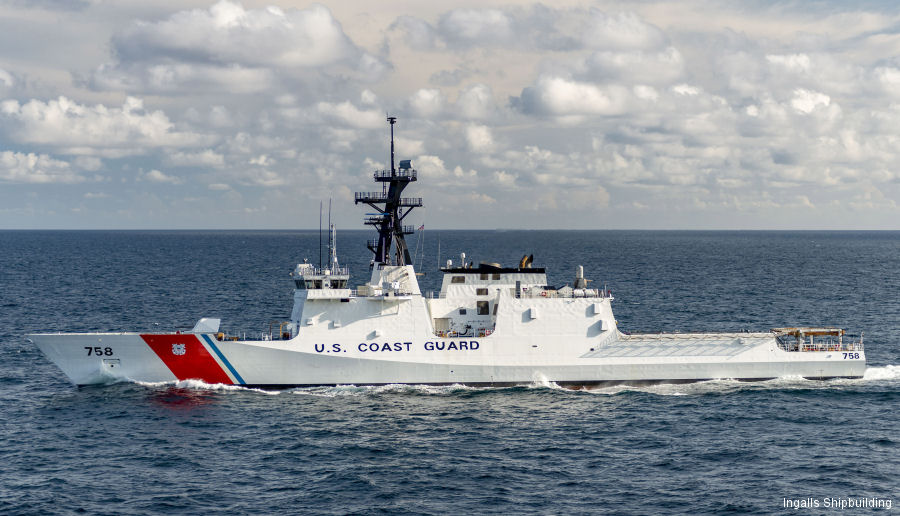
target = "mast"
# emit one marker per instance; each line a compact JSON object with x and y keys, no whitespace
{"x":392,"y":120}
{"x":334,"y":260}
{"x":390,"y":207}
{"x":330,"y":242}
{"x":320,"y":234}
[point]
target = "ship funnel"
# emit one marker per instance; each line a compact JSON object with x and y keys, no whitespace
{"x":525,"y":262}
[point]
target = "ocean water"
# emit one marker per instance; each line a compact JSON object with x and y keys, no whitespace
{"x":705,"y":448}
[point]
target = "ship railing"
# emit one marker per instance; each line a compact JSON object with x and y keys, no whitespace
{"x":282,"y":334}
{"x":411,"y":201}
{"x":370,"y":197}
{"x":408,"y":174}
{"x":532,"y":294}
{"x":330,"y":271}
{"x":367,"y":292}
{"x":794,"y":345}
{"x":575,"y":293}
{"x":479,"y":332}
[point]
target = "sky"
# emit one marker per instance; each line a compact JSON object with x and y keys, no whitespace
{"x":685,"y":114}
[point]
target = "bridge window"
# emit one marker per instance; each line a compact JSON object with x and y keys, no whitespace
{"x":496,"y":275}
{"x":458,"y":279}
{"x":484,"y":276}
{"x":481,"y":292}
{"x":462,"y":311}
{"x":484,"y":307}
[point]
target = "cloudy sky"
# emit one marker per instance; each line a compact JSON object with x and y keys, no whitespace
{"x":587,"y":115}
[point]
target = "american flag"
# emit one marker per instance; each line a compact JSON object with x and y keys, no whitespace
{"x":421,"y":227}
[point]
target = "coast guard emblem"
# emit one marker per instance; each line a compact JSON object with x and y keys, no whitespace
{"x":178,"y":349}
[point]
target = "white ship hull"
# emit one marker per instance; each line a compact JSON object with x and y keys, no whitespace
{"x":493,"y":361}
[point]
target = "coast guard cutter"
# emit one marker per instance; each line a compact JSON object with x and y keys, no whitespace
{"x":488,"y":325}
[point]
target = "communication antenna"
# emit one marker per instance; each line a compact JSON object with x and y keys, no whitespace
{"x":320,"y":234}
{"x":392,"y":120}
{"x":422,"y":261}
{"x":330,"y":237}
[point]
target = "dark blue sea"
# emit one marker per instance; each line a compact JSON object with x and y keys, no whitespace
{"x":715,"y":447}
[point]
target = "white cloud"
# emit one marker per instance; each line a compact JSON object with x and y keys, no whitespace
{"x":227,"y":33}
{"x":262,"y":177}
{"x":686,"y":89}
{"x":481,"y":198}
{"x":90,"y":163}
{"x":505,"y":179}
{"x":205,"y":158}
{"x":155,"y":176}
{"x":889,"y":78}
{"x":476,"y":102}
{"x":368,"y":98}
{"x":806,"y":101}
{"x":465,"y":27}
{"x":804,"y":201}
{"x":74,"y":128}
{"x":175,"y":77}
{"x":228,"y":47}
{"x":479,"y":139}
{"x":427,"y":102}
{"x":348,"y":114}
{"x":430,"y":167}
{"x":560,"y":96}
{"x":791,"y":62}
{"x":662,"y":67}
{"x":417,"y":32}
{"x":644,"y":92}
{"x":536,"y":27}
{"x":6,"y":79}
{"x":622,"y":31}
{"x":18,"y":167}
{"x":262,"y":160}
{"x":409,"y":147}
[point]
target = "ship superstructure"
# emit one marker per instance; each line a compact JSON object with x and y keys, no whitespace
{"x":488,"y":325}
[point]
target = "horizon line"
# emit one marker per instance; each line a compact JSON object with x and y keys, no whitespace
{"x":463,"y":229}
